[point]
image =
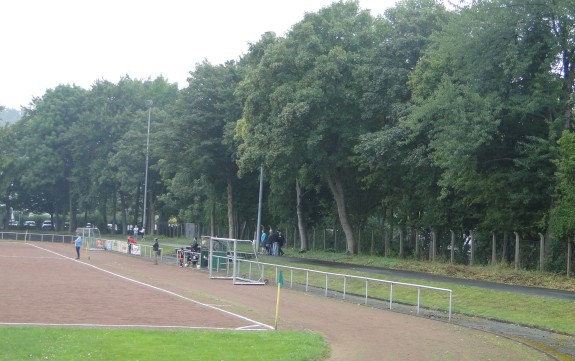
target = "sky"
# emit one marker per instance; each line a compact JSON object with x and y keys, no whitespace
{"x":50,"y":42}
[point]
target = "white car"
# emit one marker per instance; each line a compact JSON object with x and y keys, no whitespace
{"x":30,"y":224}
{"x":47,"y":225}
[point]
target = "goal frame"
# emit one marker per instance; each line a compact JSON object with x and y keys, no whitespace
{"x":231,"y":258}
{"x":92,"y":239}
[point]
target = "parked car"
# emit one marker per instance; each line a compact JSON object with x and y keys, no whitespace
{"x":30,"y":224}
{"x":47,"y":225}
{"x":13,"y":223}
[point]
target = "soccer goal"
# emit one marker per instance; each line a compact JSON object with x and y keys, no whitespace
{"x":92,"y":239}
{"x":236,"y":258}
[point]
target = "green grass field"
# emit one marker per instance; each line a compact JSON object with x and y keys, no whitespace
{"x":39,"y":343}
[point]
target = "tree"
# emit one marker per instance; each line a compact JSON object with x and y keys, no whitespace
{"x":301,"y":104}
{"x":199,"y":141}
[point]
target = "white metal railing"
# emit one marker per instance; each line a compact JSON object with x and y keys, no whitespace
{"x":328,"y":275}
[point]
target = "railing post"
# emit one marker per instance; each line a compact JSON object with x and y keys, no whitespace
{"x":390,"y":294}
{"x":418,"y":298}
{"x":366,"y":291}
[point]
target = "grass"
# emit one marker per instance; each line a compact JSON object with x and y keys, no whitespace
{"x":500,"y":273}
{"x":539,"y":312}
{"x":34,"y":343}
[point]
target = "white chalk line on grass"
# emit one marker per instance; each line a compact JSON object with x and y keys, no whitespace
{"x":259,"y":324}
{"x":91,"y":325}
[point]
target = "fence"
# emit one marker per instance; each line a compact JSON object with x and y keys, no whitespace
{"x":42,"y":237}
{"x":145,"y":251}
{"x":370,"y":291}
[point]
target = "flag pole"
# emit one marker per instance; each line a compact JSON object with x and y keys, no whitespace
{"x":280,"y":285}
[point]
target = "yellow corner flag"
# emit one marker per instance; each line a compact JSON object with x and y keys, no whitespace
{"x":280,"y":285}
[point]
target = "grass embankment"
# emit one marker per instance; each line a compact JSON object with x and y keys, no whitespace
{"x":540,"y":312}
{"x":32,"y":343}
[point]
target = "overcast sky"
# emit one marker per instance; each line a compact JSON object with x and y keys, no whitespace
{"x":50,"y":42}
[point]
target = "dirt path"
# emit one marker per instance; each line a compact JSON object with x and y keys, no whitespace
{"x":354,"y":332}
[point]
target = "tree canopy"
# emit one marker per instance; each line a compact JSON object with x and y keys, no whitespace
{"x":421,"y":123}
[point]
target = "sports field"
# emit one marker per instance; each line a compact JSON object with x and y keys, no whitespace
{"x":43,"y":285}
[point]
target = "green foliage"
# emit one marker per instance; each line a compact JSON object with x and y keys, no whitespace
{"x":423,"y":119}
{"x":563,"y":214}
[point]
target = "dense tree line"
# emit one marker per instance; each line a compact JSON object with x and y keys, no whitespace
{"x":423,"y":126}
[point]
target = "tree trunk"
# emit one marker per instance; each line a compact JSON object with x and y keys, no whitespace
{"x":569,"y":256}
{"x":505,"y":254}
{"x":231,"y":223}
{"x":401,"y":254}
{"x":416,"y":244}
{"x":516,"y":250}
{"x":151,"y":221}
{"x":433,"y":247}
{"x":300,"y":218}
{"x":472,"y":254}
{"x":493,"y":249}
{"x":114,"y":210}
{"x":389,"y":237}
{"x":372,"y":244}
{"x":124,"y":214}
{"x":338,"y":194}
{"x":452,"y":246}
{"x":72,"y":210}
{"x":137,"y":206}
{"x":541,"y":252}
{"x":213,"y":219}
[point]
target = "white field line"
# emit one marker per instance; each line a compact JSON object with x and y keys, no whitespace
{"x":161,"y":290}
{"x":91,"y":325}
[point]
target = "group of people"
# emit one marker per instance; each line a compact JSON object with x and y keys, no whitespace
{"x":272,"y":242}
{"x":190,"y":256}
{"x":79,"y":240}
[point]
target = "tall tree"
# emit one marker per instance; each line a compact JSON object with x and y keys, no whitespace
{"x":302,"y":102}
{"x":199,"y":141}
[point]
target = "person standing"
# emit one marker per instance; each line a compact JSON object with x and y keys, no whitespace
{"x":136,"y":231}
{"x":263,"y":242}
{"x":281,"y":242}
{"x":78,"y":242}
{"x":181,"y":257}
{"x":273,"y":242}
{"x":156,"y":249}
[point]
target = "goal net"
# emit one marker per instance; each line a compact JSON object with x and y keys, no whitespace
{"x":234,"y":259}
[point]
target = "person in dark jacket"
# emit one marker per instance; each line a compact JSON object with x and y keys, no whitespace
{"x":281,"y":242}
